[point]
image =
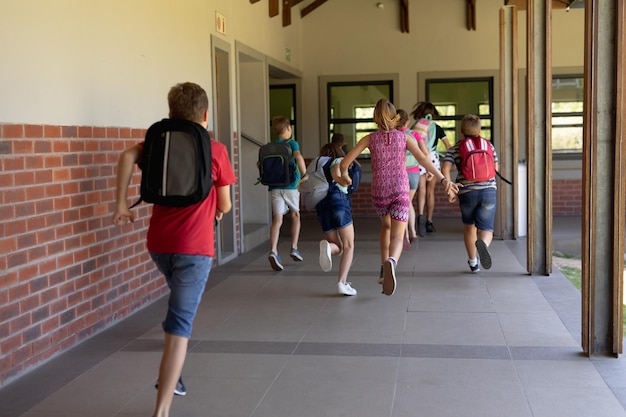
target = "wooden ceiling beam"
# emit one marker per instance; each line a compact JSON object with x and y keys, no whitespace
{"x":308,"y":9}
{"x":273,"y":8}
{"x":287,"y":5}
{"x":521,"y":4}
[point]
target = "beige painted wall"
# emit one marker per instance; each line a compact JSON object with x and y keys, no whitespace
{"x":111,"y":63}
{"x":355,"y":37}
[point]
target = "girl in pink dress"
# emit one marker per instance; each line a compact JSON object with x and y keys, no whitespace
{"x":390,"y":184}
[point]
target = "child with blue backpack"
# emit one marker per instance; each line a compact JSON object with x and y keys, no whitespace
{"x":286,"y":198}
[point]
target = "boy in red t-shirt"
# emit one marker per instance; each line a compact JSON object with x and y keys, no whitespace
{"x":180,"y":240}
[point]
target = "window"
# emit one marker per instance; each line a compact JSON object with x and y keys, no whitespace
{"x":351,"y":108}
{"x":283,"y":103}
{"x":567,"y":113}
{"x":454,"y":98}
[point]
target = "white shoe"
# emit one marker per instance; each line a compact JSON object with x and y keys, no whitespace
{"x":389,"y":276}
{"x":326,"y":262}
{"x":345,"y":289}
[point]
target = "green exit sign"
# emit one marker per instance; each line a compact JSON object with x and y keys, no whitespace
{"x":287,"y":54}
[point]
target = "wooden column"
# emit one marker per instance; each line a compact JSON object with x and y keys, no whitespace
{"x":539,"y":141}
{"x":508,"y":154}
{"x":604,"y":159}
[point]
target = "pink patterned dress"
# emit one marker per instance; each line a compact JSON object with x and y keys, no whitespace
{"x":390,"y":183}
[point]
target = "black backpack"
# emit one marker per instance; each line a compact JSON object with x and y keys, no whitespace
{"x":176,"y":164}
{"x":277,"y":166}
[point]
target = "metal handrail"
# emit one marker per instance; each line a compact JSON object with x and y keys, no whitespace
{"x":251,"y":139}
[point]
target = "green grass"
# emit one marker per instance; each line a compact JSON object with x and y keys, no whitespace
{"x":565,"y":255}
{"x":574,"y":275}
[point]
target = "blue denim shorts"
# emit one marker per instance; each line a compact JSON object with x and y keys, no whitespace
{"x":334,"y":211}
{"x":414,"y":180}
{"x":186,"y":276}
{"x":478,"y":207}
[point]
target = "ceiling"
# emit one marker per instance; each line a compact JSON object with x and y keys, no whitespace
{"x":556,"y":4}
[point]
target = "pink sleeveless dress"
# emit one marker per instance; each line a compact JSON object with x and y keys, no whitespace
{"x":390,"y":183}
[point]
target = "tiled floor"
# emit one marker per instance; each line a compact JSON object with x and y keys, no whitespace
{"x":267,"y":344}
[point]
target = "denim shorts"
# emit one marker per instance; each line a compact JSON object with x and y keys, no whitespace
{"x":334,"y":211}
{"x":186,"y":276}
{"x":414,"y":180}
{"x":478,"y":207}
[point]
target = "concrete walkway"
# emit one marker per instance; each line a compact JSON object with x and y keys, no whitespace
{"x":448,"y":343}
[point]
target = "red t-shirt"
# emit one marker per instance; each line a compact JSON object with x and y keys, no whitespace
{"x":190,"y":230}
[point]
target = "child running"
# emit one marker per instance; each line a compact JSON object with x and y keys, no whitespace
{"x":335,"y":217}
{"x":390,"y":184}
{"x":413,"y":172}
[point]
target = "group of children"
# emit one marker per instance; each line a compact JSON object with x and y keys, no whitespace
{"x":402,"y":162}
{"x":180,"y":239}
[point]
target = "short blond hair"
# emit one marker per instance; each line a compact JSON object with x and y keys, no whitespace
{"x":385,"y":115}
{"x":470,"y":125}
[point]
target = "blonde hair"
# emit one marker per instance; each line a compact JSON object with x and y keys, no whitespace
{"x":470,"y":125}
{"x":385,"y":115}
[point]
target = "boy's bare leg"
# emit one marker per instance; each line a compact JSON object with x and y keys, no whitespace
{"x":486,"y":236}
{"x":277,"y":222}
{"x":295,"y":229}
{"x":469,"y":237}
{"x":170,"y":370}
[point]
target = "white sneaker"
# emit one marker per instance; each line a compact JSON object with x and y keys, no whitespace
{"x":326,"y":262}
{"x":389,"y":276}
{"x":345,"y":289}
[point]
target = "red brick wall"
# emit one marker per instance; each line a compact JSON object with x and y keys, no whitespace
{"x":566,"y":200}
{"x":67,"y":271}
{"x":567,"y":197}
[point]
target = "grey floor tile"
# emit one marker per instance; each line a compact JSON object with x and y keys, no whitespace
{"x":456,"y":372}
{"x":215,"y":397}
{"x":324,"y":386}
{"x":349,"y":349}
{"x":455,"y":351}
{"x":563,"y":374}
{"x":444,"y":328}
{"x":106,"y":387}
{"x":517,"y":294}
{"x":233,"y":365}
{"x":452,"y":294}
{"x":535,"y":329}
{"x":355,"y":328}
{"x":494,"y":400}
{"x":573,"y":402}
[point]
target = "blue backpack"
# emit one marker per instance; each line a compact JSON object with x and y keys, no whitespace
{"x":277,"y":166}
